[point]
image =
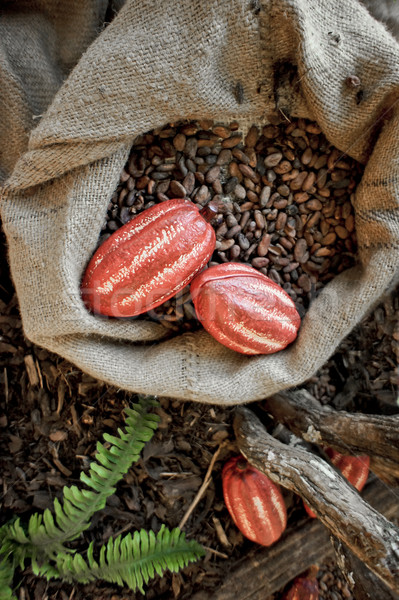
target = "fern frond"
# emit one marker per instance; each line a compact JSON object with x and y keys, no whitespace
{"x":6,"y":577}
{"x":132,"y":560}
{"x":47,"y":532}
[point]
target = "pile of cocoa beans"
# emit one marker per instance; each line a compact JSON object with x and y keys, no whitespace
{"x":284,"y":196}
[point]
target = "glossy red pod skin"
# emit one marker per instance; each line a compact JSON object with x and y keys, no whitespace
{"x":254,"y":502}
{"x":244,"y":310}
{"x":148,"y":260}
{"x":303,"y":588}
{"x":354,"y":468}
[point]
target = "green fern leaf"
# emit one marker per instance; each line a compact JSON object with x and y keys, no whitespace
{"x":132,"y":560}
{"x":47,"y":533}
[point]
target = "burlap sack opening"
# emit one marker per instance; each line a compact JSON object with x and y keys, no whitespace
{"x":158,"y":63}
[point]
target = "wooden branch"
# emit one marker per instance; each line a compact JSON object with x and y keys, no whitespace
{"x":337,"y":504}
{"x":264,"y":571}
{"x":375,"y":435}
{"x":361,"y":581}
{"x":386,"y":470}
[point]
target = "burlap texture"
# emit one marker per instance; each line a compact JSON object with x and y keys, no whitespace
{"x":159,"y":62}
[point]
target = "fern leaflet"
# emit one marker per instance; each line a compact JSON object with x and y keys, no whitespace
{"x":6,"y":577}
{"x":132,"y":560}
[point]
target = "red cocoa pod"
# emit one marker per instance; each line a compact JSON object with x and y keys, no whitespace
{"x":303,"y":588}
{"x":244,"y":310}
{"x":148,"y":260}
{"x":254,"y":502}
{"x":354,"y":468}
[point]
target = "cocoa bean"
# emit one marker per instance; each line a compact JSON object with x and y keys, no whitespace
{"x":280,"y":203}
{"x":224,"y":157}
{"x":189,"y":183}
{"x":252,"y":196}
{"x":232,"y":141}
{"x":243,"y":242}
{"x":264,"y":196}
{"x":314,"y":204}
{"x":313,"y":220}
{"x":212,"y":174}
{"x":273,"y":159}
{"x":297,"y":183}
{"x":245,"y":218}
{"x":259,"y":262}
{"x":240,"y":192}
{"x":350,"y":223}
{"x":221,"y":131}
{"x":329,"y":239}
{"x":304,"y":282}
{"x":190,"y":147}
{"x":264,"y":244}
{"x":231,"y":220}
{"x":252,"y":137}
{"x":259,"y":219}
{"x":307,"y":156}
{"x":247,"y":171}
{"x":300,"y":251}
{"x":235,"y":252}
{"x":309,"y":181}
{"x":177,"y":190}
{"x":202,"y":195}
{"x":341,"y":232}
{"x":226,"y":244}
{"x":281,"y":221}
{"x":233,"y":231}
{"x":283,"y":190}
{"x":284,"y":167}
{"x":240,"y":156}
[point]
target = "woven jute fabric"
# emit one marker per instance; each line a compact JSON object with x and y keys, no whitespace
{"x":76,"y":92}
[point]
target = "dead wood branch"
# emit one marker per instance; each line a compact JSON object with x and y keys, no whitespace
{"x":348,"y":433}
{"x":369,"y":535}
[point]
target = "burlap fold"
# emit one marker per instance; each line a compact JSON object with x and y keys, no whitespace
{"x":157,"y":63}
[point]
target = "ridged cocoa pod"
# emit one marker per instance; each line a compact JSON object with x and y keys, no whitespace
{"x":244,"y":310}
{"x":303,"y":588}
{"x":254,"y":502}
{"x":354,"y":468}
{"x":148,"y":260}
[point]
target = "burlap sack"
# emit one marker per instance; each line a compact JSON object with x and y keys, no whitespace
{"x":160,"y":62}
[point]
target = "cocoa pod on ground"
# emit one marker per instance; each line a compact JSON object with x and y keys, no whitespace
{"x":303,"y":588}
{"x":254,"y":502}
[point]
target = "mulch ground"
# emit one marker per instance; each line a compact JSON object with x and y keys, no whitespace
{"x":52,"y":414}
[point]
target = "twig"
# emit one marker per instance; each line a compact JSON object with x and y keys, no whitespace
{"x":5,"y":384}
{"x":201,"y":491}
{"x":215,"y":552}
{"x":75,"y":421}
